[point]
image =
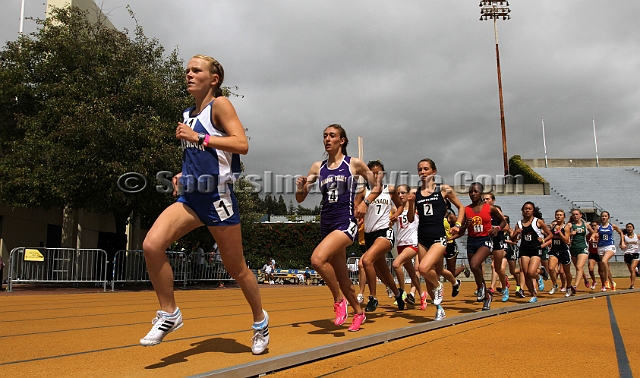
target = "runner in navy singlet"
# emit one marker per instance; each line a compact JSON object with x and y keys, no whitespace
{"x":338,"y":226}
{"x":212,"y":136}
{"x":429,"y":203}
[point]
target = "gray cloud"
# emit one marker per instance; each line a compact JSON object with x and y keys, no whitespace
{"x":414,"y":78}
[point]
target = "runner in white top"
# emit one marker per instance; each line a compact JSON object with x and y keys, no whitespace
{"x":379,"y":239}
{"x":631,"y":254}
{"x":407,"y":246}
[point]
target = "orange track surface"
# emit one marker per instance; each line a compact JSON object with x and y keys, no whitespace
{"x":96,"y":335}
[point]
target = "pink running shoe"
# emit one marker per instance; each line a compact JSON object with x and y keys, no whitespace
{"x":423,"y":300}
{"x":604,"y":288}
{"x":358,"y":319}
{"x":340,"y":308}
{"x":593,"y":285}
{"x":586,"y":283}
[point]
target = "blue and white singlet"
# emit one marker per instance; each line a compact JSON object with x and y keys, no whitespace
{"x":208,"y":173}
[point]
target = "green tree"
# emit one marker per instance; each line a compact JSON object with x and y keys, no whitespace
{"x":305,"y":211}
{"x":80,"y":105}
{"x":269,"y":204}
{"x":281,"y":207}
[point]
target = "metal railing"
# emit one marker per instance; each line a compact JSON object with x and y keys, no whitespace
{"x":129,"y":267}
{"x":589,"y":206}
{"x":57,"y":265}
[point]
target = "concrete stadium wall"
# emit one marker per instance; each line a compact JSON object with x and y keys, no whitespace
{"x":510,"y":190}
{"x":94,"y":12}
{"x":564,"y":163}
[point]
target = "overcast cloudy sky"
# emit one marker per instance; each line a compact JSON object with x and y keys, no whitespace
{"x":414,"y":78}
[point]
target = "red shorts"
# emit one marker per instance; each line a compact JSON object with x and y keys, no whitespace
{"x":401,"y":248}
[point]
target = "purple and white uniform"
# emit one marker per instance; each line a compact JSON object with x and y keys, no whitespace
{"x":338,"y":188}
{"x":208,"y":174}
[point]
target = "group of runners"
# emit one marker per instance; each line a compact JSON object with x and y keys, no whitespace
{"x":429,"y":219}
{"x":427,"y":227}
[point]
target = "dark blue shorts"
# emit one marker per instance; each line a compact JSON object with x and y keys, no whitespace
{"x":213,"y":209}
{"x":475,"y":242}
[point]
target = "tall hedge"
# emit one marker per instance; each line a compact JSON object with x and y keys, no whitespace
{"x":518,"y":167}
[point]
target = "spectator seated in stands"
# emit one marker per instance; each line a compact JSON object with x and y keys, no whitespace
{"x":268,"y":272}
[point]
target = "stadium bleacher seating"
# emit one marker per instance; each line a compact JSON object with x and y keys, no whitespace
{"x":614,"y":189}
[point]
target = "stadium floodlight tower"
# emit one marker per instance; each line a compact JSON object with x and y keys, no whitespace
{"x":494,"y":10}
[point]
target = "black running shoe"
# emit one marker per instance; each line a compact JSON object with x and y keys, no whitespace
{"x":545,"y":274}
{"x":399,"y":299}
{"x":411,"y":299}
{"x":455,"y":290}
{"x":520,"y":293}
{"x":486,"y":306}
{"x":372,"y":305}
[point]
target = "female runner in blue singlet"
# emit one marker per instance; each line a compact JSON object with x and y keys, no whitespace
{"x":607,"y":247}
{"x":212,"y":136}
{"x":337,"y":177}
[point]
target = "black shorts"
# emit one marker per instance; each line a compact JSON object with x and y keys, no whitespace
{"x":530,"y":252}
{"x":386,"y":233}
{"x":452,"y":251}
{"x":429,"y":240}
{"x":499,"y":244}
{"x":595,"y":256}
{"x":563,"y":256}
{"x":512,"y":253}
{"x":629,"y":257}
{"x":475,"y":243}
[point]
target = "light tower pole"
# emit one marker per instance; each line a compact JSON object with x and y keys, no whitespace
{"x":493,"y":10}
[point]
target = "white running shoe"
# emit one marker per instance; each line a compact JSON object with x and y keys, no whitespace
{"x":161,"y":327}
{"x":553,"y":290}
{"x":389,"y":292}
{"x":440,"y":314}
{"x":360,"y":298}
{"x":261,"y":336}
{"x":438,"y":294}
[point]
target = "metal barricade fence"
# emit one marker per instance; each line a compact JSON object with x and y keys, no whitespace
{"x":203,"y":266}
{"x":352,"y":266}
{"x":57,"y":265}
{"x":129,"y":267}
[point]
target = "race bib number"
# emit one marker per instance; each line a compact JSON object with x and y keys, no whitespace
{"x":427,"y":209}
{"x":333,"y":195}
{"x":527,"y":237}
{"x":353,"y":228}
{"x":478,"y":228}
{"x":224,"y":208}
{"x":390,"y":235}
